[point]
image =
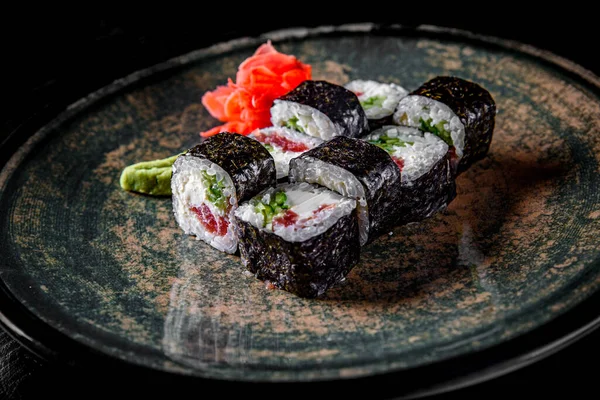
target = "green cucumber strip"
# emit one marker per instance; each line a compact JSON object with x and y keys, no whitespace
{"x":274,"y":208}
{"x":374,"y":101}
{"x":292,"y":123}
{"x":268,"y":147}
{"x":280,"y":198}
{"x":388,"y":143}
{"x":437,"y":129}
{"x":214,"y":190}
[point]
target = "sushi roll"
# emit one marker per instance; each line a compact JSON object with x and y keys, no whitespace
{"x":301,"y":238}
{"x":359,"y":170}
{"x":284,"y":144}
{"x":211,"y":179}
{"x":321,"y":109}
{"x":379,"y":100}
{"x":427,"y":183}
{"x":460,"y":112}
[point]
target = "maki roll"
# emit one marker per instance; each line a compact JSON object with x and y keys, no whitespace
{"x":379,"y":100}
{"x":321,"y":109}
{"x":211,"y":179}
{"x":359,"y":170}
{"x":301,"y":238}
{"x":284,"y":144}
{"x":460,"y":112}
{"x":427,"y":184}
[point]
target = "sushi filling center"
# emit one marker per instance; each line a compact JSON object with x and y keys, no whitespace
{"x":284,"y":144}
{"x":413,"y":151}
{"x":432,"y":116}
{"x":215,"y":199}
{"x":296,"y":212}
{"x":281,"y":142}
{"x":217,"y":226}
{"x":203,"y":199}
{"x":338,"y":179}
{"x":303,"y":119}
{"x":379,"y":100}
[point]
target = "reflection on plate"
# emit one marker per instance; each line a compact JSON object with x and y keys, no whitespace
{"x":112,"y":271}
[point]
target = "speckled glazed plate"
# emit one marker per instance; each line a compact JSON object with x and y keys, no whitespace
{"x":86,"y":265}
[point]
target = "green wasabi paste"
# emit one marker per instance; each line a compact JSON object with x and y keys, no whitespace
{"x":149,"y":177}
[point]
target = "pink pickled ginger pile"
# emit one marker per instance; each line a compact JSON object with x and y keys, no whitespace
{"x":245,"y":105}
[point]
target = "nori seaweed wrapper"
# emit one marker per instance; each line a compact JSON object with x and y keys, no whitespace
{"x":307,"y":268}
{"x":374,"y":168}
{"x":475,"y":108}
{"x":247,"y":162}
{"x":428,"y":194}
{"x":336,"y":102}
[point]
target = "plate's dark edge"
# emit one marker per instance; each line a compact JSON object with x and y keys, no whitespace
{"x":459,"y":371}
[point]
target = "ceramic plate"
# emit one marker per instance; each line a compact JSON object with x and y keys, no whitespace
{"x":86,"y":265}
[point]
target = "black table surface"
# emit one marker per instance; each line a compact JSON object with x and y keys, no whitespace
{"x":54,"y":57}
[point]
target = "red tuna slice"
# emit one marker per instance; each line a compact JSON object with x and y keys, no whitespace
{"x":287,"y":219}
{"x":214,"y":225}
{"x":280,"y":141}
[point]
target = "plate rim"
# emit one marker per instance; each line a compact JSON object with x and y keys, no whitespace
{"x":18,"y":324}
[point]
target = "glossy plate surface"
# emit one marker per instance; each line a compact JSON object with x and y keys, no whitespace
{"x":112,"y":271}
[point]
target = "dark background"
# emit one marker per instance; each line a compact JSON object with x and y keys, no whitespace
{"x":52,"y":57}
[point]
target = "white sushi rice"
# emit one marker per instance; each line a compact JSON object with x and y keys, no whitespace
{"x":313,"y":170}
{"x":310,"y":120}
{"x":413,"y":108}
{"x":187,"y":185}
{"x":280,"y":156}
{"x":304,"y":200}
{"x":420,"y":152}
{"x":368,"y":89}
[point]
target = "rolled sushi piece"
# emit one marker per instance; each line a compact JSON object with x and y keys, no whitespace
{"x":359,"y":170}
{"x":427,"y":182}
{"x":211,"y":179}
{"x":378,"y":99}
{"x":301,"y":238}
{"x":460,"y":112}
{"x":321,"y":109}
{"x":284,"y":144}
